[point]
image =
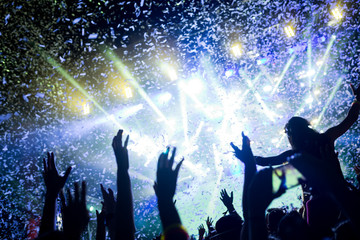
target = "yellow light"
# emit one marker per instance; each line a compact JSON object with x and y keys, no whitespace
{"x":289,"y":30}
{"x":128,"y":92}
{"x":336,"y":13}
{"x":170,"y":71}
{"x":86,"y":109}
{"x":236,"y":50}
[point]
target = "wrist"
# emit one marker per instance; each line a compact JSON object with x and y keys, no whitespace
{"x":230,"y":208}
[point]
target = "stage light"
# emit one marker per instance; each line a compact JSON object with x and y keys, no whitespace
{"x":319,"y":63}
{"x":86,"y":108}
{"x":229,"y":73}
{"x":164,"y":98}
{"x":267,"y":88}
{"x":128,"y":92}
{"x":336,"y":12}
{"x":195,"y":85}
{"x":289,"y":30}
{"x":261,"y":61}
{"x":309,"y":100}
{"x":91,"y":208}
{"x":169,"y":71}
{"x":236,"y":50}
{"x":316,"y":92}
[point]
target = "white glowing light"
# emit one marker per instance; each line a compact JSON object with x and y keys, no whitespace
{"x":289,"y":30}
{"x":236,"y":50}
{"x":319,"y":63}
{"x":267,"y":88}
{"x":91,"y":208}
{"x":309,"y":100}
{"x":279,"y":105}
{"x":195,"y":85}
{"x":128,"y":92}
{"x":336,"y":12}
{"x":164,"y":98}
{"x":229,"y":73}
{"x":86,"y":109}
{"x":317,"y":92}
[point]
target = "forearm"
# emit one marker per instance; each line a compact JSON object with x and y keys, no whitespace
{"x":250,"y":171}
{"x":124,"y":213}
{"x":100,"y":231}
{"x":169,"y":216}
{"x":48,"y":217}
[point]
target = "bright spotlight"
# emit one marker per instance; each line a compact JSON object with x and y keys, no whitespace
{"x":170,"y":71}
{"x":86,"y":109}
{"x":289,"y":30}
{"x":336,"y":12}
{"x":267,"y":88}
{"x":164,"y":98}
{"x":128,"y":92}
{"x":91,"y":208}
{"x":229,"y":73}
{"x":195,"y":85}
{"x":236,"y":50}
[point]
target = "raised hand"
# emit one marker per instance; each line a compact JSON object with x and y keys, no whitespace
{"x":109,"y":205}
{"x":227,"y":200}
{"x":245,"y":154}
{"x":120,"y":150}
{"x":355,"y":91}
{"x":74,"y":213}
{"x":100,"y":226}
{"x":209,"y":222}
{"x":166,"y":177}
{"x":201,"y":230}
{"x":109,"y":202}
{"x":53,"y":181}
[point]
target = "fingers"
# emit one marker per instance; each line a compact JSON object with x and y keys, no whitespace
{"x":103,"y":192}
{"x":67,"y":173}
{"x":111,"y":193}
{"x":178,"y":167}
{"x":234,"y":147}
{"x":49,"y":162}
{"x":126,"y":141}
{"x":52,"y":160}
{"x":172,"y":158}
{"x":232,"y":195}
{"x":44,"y":164}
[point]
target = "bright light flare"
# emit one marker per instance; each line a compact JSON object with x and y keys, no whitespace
{"x":337,"y":13}
{"x":86,"y":109}
{"x":289,"y":30}
{"x":236,"y":50}
{"x":169,"y":71}
{"x":128,"y":92}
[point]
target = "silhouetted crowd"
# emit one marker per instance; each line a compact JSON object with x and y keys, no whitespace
{"x":330,"y":208}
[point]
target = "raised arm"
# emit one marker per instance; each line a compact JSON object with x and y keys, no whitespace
{"x":54,"y":183}
{"x":124,"y":213}
{"x":274,"y":160}
{"x":353,"y":114}
{"x":165,"y":187}
{"x":246,"y":156}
